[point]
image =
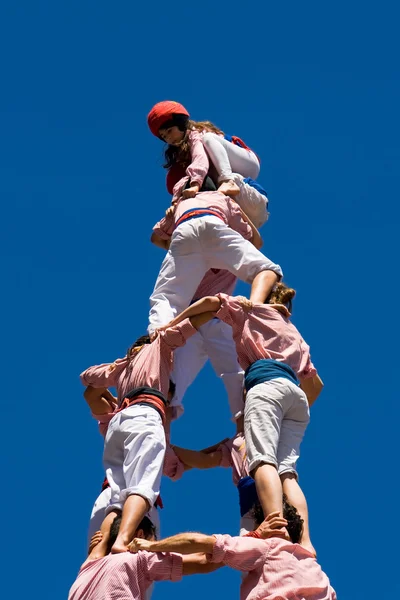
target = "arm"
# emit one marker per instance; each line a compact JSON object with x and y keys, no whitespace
{"x":106,"y":375}
{"x":312,"y":388}
{"x":204,"y":305}
{"x":159,"y":241}
{"x":100,"y":400}
{"x":198,"y":460}
{"x":183,"y":543}
{"x":256,"y":239}
{"x":195,"y":564}
{"x":198,"y":168}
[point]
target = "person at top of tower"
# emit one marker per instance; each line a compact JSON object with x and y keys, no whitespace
{"x":191,"y":144}
{"x":280,"y":381}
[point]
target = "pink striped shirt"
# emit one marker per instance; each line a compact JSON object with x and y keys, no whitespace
{"x":277,"y":569}
{"x":151,"y":366}
{"x":264,"y":332}
{"x":227,"y":208}
{"x":234,"y":455}
{"x":124,"y":576}
{"x":215,"y":281}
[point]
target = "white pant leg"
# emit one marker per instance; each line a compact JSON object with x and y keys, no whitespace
{"x":224,"y":248}
{"x":182,"y":271}
{"x":98,"y":512}
{"x":221,"y":350}
{"x":134,"y":453}
{"x":188,"y":362}
{"x":251,"y":201}
{"x":228,"y":157}
{"x":246,"y":524}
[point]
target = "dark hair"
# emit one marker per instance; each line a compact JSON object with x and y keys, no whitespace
{"x":180,"y":154}
{"x":281,"y":294}
{"x":290,"y":513}
{"x":145,"y":524}
{"x":144,"y":339}
{"x":172,"y":388}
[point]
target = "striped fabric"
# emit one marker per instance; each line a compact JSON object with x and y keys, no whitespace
{"x":277,"y":569}
{"x":264,"y":332}
{"x":124,"y":576}
{"x":151,"y":366}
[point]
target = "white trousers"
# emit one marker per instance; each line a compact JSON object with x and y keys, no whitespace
{"x":196,"y":246}
{"x":99,"y":513}
{"x":251,"y":201}
{"x":134,"y":451}
{"x":276,"y":416}
{"x":213,"y":341}
{"x":228,"y":157}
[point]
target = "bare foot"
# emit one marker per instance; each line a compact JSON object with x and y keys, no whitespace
{"x":119,"y":547}
{"x":229,"y":188}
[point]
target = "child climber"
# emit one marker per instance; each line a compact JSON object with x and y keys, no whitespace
{"x":191,"y":144}
{"x":274,"y":357}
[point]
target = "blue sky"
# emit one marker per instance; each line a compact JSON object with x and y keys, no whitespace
{"x":314,"y":89}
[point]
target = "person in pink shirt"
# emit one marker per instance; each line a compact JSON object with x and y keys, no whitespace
{"x":191,"y":144}
{"x":129,"y":576}
{"x":274,"y":568}
{"x":281,"y":382}
{"x":207,"y":232}
{"x":135,"y":442}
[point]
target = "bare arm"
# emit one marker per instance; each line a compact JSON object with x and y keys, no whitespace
{"x":312,"y":388}
{"x":159,"y":241}
{"x":256,"y":240}
{"x":198,"y":460}
{"x":204,"y":305}
{"x":183,"y":543}
{"x":194,"y":564}
{"x":100,"y":400}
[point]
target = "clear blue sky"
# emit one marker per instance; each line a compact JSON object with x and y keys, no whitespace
{"x":314,"y":89}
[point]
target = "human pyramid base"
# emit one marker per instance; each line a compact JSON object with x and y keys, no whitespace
{"x":210,"y":233}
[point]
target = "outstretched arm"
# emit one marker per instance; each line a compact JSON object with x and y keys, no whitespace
{"x":204,"y":305}
{"x":198,"y":460}
{"x":256,"y":239}
{"x":183,"y":543}
{"x":195,"y":564}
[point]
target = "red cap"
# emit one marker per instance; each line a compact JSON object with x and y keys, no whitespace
{"x":175,"y":174}
{"x":162,"y":112}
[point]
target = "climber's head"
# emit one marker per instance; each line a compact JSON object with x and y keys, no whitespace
{"x":281,"y":294}
{"x":294,"y":520}
{"x":168,"y":120}
{"x":145,"y":530}
{"x":136,"y":346}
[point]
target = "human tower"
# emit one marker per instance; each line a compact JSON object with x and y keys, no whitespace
{"x":210,"y":234}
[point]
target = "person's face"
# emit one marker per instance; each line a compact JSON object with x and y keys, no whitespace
{"x":172,"y":135}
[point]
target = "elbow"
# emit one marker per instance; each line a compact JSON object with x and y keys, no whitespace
{"x":213,"y":303}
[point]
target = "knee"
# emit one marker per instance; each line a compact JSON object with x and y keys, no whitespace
{"x":208,"y":138}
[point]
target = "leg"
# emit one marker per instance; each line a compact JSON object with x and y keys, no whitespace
{"x":251,"y":201}
{"x":228,"y":157}
{"x":262,"y":286}
{"x":224,"y":248}
{"x":264,"y":412}
{"x":296,"y":497}
{"x":188,"y":362}
{"x":144,"y":451}
{"x":98,"y":512}
{"x":181,"y":272}
{"x":220,"y":160}
{"x":221,"y":350}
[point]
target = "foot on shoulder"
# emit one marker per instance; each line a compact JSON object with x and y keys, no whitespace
{"x":229,"y":188}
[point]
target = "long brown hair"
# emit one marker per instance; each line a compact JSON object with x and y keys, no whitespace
{"x":281,"y":294}
{"x":181,"y":154}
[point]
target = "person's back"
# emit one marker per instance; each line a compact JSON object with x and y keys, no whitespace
{"x":278,"y":569}
{"x":124,"y":576}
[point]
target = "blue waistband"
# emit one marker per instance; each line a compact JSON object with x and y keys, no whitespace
{"x":255,"y":185}
{"x":266,"y":369}
{"x":247,"y":494}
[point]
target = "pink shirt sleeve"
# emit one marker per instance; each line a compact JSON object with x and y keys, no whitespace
{"x":105,"y":375}
{"x":176,"y":336}
{"x":309,"y":370}
{"x":231,"y":311}
{"x":198,"y":168}
{"x":244,"y":554}
{"x":164,"y":228}
{"x":236,"y":222}
{"x":160,"y":566}
{"x":173,"y":467}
